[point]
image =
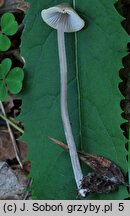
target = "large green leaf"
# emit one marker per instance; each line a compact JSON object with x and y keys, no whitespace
{"x":94,"y":59}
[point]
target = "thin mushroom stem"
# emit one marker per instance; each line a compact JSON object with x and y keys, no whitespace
{"x":63,"y":18}
{"x":64,"y":112}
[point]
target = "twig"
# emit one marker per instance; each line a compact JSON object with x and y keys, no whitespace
{"x":15,"y":53}
{"x":11,"y":123}
{"x":61,"y":144}
{"x":9,"y":52}
{"x":26,"y":194}
{"x":12,"y":137}
{"x":65,"y":147}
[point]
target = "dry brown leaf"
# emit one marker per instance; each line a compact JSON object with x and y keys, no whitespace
{"x":14,"y":6}
{"x":102,"y":166}
{"x":6,"y":148}
{"x":27,"y":167}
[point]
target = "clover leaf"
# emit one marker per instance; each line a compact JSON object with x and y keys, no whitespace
{"x":14,"y":80}
{"x":5,"y":67}
{"x":9,"y":27}
{"x":10,"y":79}
{"x":3,"y":91}
{"x":4,"y":42}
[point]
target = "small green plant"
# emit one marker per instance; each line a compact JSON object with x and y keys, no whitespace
{"x":9,"y":27}
{"x":10,"y":79}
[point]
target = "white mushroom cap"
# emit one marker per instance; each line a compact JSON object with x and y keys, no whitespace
{"x":63,"y":16}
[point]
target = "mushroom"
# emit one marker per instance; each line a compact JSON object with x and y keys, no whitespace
{"x":63,"y":18}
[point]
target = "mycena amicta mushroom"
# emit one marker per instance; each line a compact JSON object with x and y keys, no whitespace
{"x":63,"y":18}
